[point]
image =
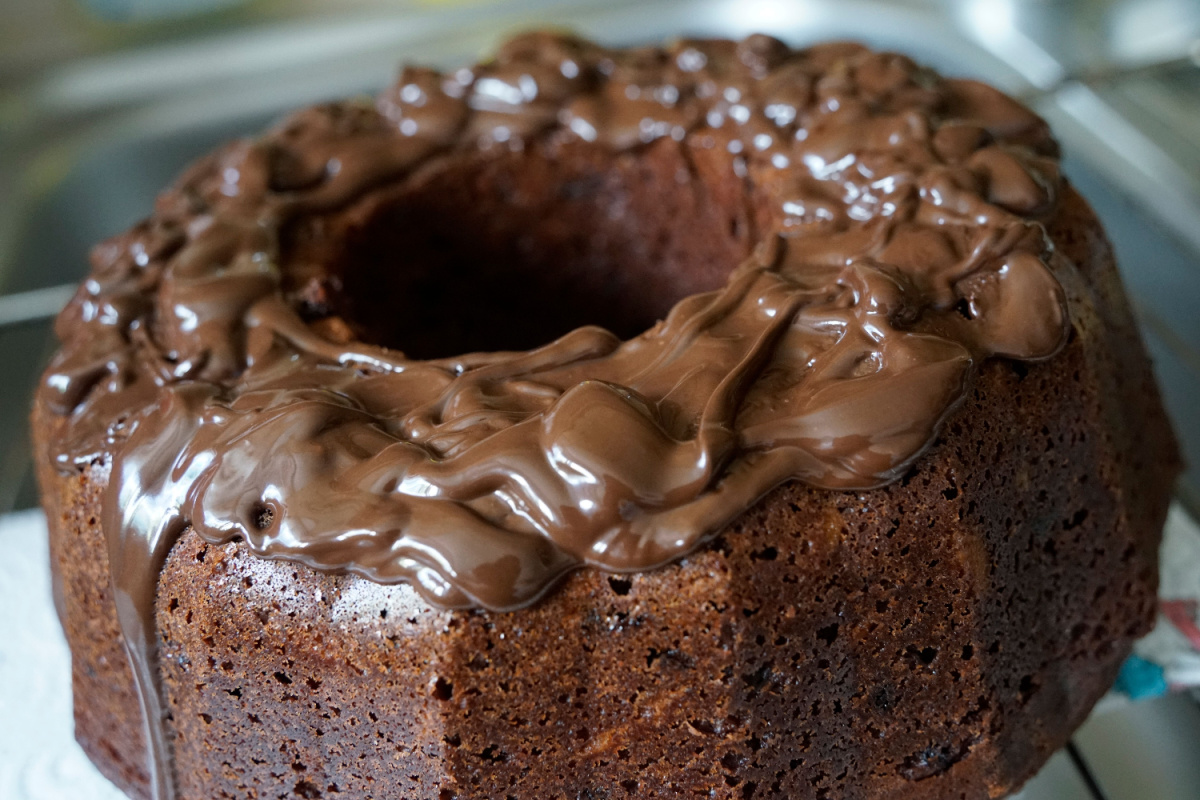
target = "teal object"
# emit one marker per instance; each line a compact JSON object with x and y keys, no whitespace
{"x":147,"y":10}
{"x":1141,"y":679}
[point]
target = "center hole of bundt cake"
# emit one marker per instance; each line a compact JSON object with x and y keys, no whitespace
{"x":506,"y":252}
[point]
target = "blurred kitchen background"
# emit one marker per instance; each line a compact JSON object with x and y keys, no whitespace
{"x":102,"y":102}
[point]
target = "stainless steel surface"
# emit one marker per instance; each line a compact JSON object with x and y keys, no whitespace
{"x":88,"y":136}
{"x":1052,"y":40}
{"x":1147,"y":751}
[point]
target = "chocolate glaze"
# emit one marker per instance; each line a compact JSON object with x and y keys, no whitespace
{"x":902,"y":247}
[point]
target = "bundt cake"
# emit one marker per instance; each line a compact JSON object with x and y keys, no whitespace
{"x":717,"y":419}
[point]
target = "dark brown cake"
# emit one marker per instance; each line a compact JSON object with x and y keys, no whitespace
{"x":954,"y":560}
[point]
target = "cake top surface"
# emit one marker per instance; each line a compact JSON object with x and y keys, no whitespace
{"x":897,"y":244}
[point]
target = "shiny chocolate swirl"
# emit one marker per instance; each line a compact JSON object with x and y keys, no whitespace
{"x":902,"y":245}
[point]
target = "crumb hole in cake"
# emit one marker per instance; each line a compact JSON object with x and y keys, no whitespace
{"x":443,"y":689}
{"x":283,"y":678}
{"x":1076,"y":519}
{"x":828,"y":634}
{"x":509,"y":251}
{"x":307,"y":790}
{"x":759,"y":678}
{"x":620,"y":586}
{"x":1027,"y":688}
{"x":493,"y":754}
{"x":766,"y":554}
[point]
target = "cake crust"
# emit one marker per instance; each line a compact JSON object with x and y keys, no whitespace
{"x":822,"y":637}
{"x":936,"y":637}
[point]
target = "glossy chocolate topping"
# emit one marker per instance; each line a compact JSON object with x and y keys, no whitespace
{"x":897,"y":244}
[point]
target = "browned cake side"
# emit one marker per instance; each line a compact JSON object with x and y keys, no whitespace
{"x":936,"y":638}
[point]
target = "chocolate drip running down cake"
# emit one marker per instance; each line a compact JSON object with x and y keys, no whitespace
{"x":715,"y":420}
